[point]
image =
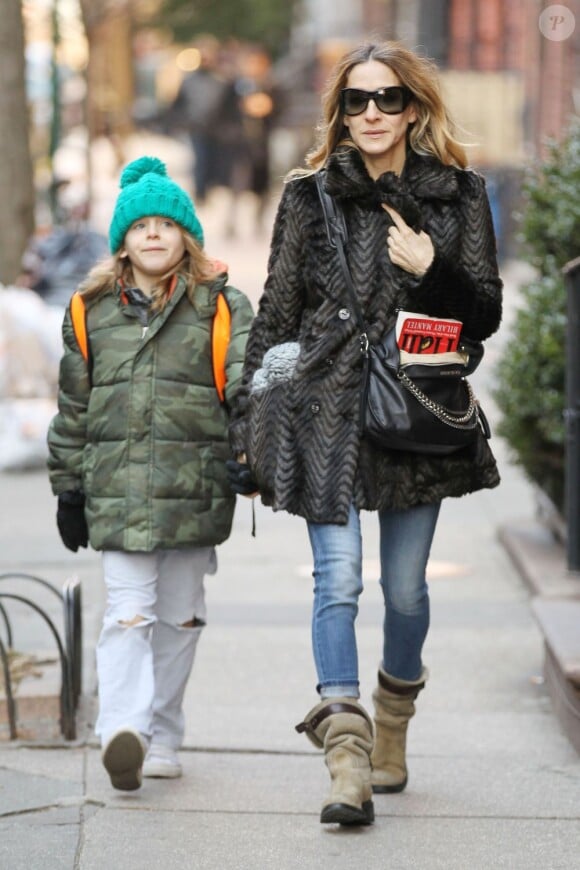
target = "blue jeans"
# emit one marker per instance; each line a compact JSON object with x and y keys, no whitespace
{"x":405,"y":543}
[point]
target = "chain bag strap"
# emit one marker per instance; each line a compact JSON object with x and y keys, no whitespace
{"x":446,"y":415}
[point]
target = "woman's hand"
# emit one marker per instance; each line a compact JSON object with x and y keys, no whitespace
{"x":412,"y":251}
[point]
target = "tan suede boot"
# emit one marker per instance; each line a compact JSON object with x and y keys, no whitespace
{"x":394,"y":705}
{"x":344,"y":730}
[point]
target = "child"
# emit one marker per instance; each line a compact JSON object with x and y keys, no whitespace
{"x":137,"y":458}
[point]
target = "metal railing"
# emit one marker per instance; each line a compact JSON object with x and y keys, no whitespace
{"x":69,"y":648}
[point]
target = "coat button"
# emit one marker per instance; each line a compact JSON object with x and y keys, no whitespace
{"x":315,"y":407}
{"x":344,"y":313}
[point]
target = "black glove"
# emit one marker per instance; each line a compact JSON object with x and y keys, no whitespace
{"x":240,"y":478}
{"x":70,"y":519}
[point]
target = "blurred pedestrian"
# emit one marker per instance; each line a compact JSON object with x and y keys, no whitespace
{"x":137,"y":453}
{"x":198,"y":108}
{"x":420,"y":237}
{"x":259,"y":103}
{"x":232,"y":161}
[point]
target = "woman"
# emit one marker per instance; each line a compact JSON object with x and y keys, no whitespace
{"x":421,"y":239}
{"x":137,"y":454}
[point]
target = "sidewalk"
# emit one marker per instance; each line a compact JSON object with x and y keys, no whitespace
{"x":493,"y":781}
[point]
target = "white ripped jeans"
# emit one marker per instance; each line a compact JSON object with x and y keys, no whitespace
{"x":154,"y":616}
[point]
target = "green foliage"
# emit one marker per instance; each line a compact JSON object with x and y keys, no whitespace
{"x":530,"y":388}
{"x":551,"y":222}
{"x":266,"y":22}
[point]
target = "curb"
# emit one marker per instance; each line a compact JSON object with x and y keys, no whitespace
{"x":540,"y":560}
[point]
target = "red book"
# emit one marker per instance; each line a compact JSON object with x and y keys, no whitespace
{"x":419,"y":334}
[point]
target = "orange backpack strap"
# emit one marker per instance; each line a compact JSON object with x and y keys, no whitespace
{"x":79,"y":322}
{"x":220,"y":339}
{"x":221,"y":330}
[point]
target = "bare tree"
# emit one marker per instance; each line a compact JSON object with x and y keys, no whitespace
{"x":16,"y":175}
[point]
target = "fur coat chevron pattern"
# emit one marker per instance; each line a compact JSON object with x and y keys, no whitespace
{"x":302,"y":437}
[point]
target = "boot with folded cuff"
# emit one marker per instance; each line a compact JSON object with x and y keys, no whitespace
{"x":343,"y":728}
{"x":394,"y":702}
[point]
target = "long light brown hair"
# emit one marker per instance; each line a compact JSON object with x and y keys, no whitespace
{"x":194,"y":266}
{"x":431,"y":134}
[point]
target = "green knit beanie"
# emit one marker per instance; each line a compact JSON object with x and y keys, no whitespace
{"x":146,"y":191}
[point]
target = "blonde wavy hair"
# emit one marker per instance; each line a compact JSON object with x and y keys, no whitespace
{"x":194,"y":266}
{"x":432,"y":134}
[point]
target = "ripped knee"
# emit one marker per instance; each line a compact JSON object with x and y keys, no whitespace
{"x":194,"y":622}
{"x":138,"y":619}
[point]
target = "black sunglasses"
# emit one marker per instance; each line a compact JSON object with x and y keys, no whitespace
{"x":391,"y":101}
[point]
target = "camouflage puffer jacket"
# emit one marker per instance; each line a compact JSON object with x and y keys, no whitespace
{"x":146,"y":437}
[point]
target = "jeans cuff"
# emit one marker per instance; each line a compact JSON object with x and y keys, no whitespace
{"x":339,"y":690}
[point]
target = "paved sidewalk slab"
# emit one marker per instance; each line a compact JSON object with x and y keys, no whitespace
{"x":41,"y":841}
{"x":481,"y":785}
{"x":23,"y":791}
{"x":208,"y":841}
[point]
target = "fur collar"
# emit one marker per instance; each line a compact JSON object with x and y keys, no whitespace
{"x":422,"y":178}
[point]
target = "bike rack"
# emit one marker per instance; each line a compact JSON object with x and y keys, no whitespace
{"x":70,"y":651}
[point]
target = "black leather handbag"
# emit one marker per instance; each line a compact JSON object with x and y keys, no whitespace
{"x":420,"y":408}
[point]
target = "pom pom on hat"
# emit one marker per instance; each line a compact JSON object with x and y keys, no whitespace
{"x":135,"y":170}
{"x":147,"y":190}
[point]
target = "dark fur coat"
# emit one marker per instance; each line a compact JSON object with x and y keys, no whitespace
{"x":302,"y":437}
